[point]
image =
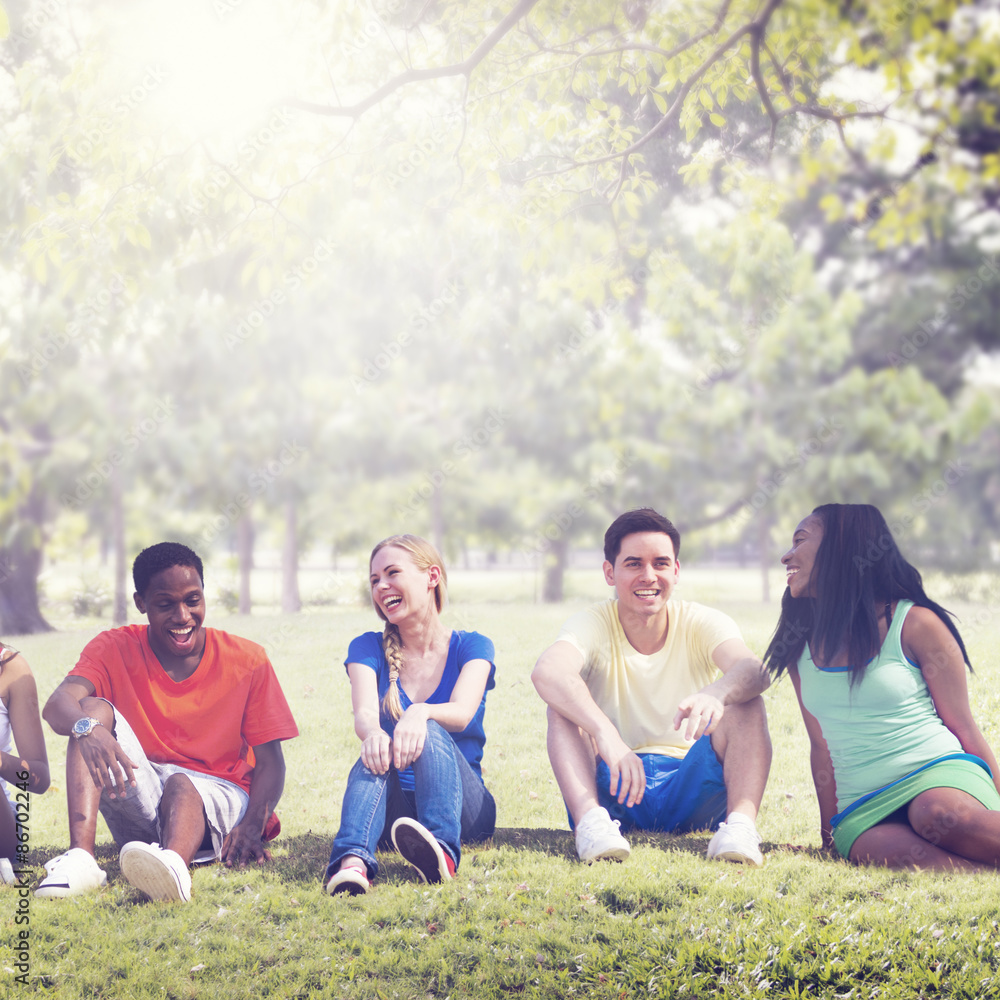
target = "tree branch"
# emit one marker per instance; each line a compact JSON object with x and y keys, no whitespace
{"x":463,"y":68}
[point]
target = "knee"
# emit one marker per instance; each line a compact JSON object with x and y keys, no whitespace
{"x":932,"y":818}
{"x":438,"y":740}
{"x":755,"y":714}
{"x":177,"y":786}
{"x":436,"y":731}
{"x":747,"y":716}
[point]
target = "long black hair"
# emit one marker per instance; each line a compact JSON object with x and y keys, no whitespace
{"x":857,"y":569}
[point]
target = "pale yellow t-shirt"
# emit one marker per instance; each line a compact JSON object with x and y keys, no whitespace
{"x":640,"y":693}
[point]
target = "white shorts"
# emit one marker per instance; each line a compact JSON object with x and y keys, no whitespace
{"x":135,"y":816}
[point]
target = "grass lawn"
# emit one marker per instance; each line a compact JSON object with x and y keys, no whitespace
{"x":523,"y":916}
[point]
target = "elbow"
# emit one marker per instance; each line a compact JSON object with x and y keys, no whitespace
{"x":540,"y":680}
{"x":47,"y":713}
{"x":40,"y":779}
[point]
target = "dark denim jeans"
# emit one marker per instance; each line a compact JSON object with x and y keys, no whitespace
{"x":449,"y":799}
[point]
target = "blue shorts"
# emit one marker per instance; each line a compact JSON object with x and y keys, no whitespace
{"x":681,"y":795}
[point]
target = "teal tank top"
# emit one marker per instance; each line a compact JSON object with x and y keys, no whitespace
{"x":883,"y":729}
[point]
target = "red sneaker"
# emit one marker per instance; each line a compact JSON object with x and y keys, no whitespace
{"x":417,"y":845}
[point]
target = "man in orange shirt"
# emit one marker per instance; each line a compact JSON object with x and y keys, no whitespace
{"x":161,"y":719}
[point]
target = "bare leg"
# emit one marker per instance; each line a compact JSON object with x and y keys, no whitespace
{"x":83,"y":797}
{"x":8,"y":831}
{"x":742,"y":743}
{"x":182,"y":817}
{"x":897,"y":845}
{"x":958,"y":823}
{"x":574,"y":764}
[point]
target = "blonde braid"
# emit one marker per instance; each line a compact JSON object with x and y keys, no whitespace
{"x":394,"y":656}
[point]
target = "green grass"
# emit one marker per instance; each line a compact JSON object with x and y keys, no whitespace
{"x":523,"y":917}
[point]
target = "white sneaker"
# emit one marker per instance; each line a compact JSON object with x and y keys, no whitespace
{"x":156,"y":871}
{"x":71,"y":874}
{"x":739,"y":842}
{"x":598,"y":838}
{"x":7,"y":876}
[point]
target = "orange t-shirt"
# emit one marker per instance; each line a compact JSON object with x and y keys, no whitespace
{"x":208,"y":722}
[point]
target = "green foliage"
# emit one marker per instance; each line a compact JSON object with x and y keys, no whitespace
{"x":671,"y":241}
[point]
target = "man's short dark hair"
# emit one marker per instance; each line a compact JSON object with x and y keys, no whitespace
{"x":632,"y":521}
{"x":159,"y":557}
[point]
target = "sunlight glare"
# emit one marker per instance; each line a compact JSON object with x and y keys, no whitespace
{"x":223,"y":63}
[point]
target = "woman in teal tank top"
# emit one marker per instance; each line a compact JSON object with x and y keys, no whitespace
{"x":903,"y":774}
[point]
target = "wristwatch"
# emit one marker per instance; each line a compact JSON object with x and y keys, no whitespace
{"x":84,"y":727}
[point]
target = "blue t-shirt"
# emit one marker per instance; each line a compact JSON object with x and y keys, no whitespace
{"x":465,"y":646}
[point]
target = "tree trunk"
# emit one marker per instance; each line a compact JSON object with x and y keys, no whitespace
{"x":19,"y":611}
{"x":291,"y":602}
{"x":764,"y":554}
{"x":120,"y":610}
{"x":244,"y":558}
{"x":437,"y":521}
{"x":553,"y":568}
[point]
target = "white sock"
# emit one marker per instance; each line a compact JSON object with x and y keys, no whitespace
{"x":738,"y":817}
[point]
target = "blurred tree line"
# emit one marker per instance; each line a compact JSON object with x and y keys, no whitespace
{"x":494,"y":273}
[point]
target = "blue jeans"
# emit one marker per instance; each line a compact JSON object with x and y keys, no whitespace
{"x":449,"y":799}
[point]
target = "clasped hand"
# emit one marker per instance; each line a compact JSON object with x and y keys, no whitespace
{"x":378,"y":750}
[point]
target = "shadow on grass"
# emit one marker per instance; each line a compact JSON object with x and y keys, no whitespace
{"x":303,"y":858}
{"x":560,"y":843}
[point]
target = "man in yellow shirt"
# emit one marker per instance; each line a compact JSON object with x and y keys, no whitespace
{"x":642,"y":732}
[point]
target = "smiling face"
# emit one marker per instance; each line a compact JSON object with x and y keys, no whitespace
{"x":399,"y":587}
{"x":800,"y":559}
{"x":644,"y":573}
{"x":174,"y":603}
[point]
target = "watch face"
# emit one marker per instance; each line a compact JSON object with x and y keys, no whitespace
{"x":82,"y":726}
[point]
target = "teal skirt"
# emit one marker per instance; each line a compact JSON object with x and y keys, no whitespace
{"x":962,"y":771}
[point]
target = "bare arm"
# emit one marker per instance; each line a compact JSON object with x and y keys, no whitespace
{"x":821,"y":764}
{"x":743,"y":678}
{"x":108,"y":764}
{"x":557,"y":678}
{"x":21,"y":698}
{"x":245,"y":841}
{"x":453,"y":715}
{"x":376,"y":745}
{"x":928,"y":642}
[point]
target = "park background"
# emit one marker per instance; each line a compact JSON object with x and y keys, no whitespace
{"x":280,"y":280}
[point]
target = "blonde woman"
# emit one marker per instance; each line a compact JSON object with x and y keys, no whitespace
{"x":418,"y":691}
{"x":24,"y":771}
